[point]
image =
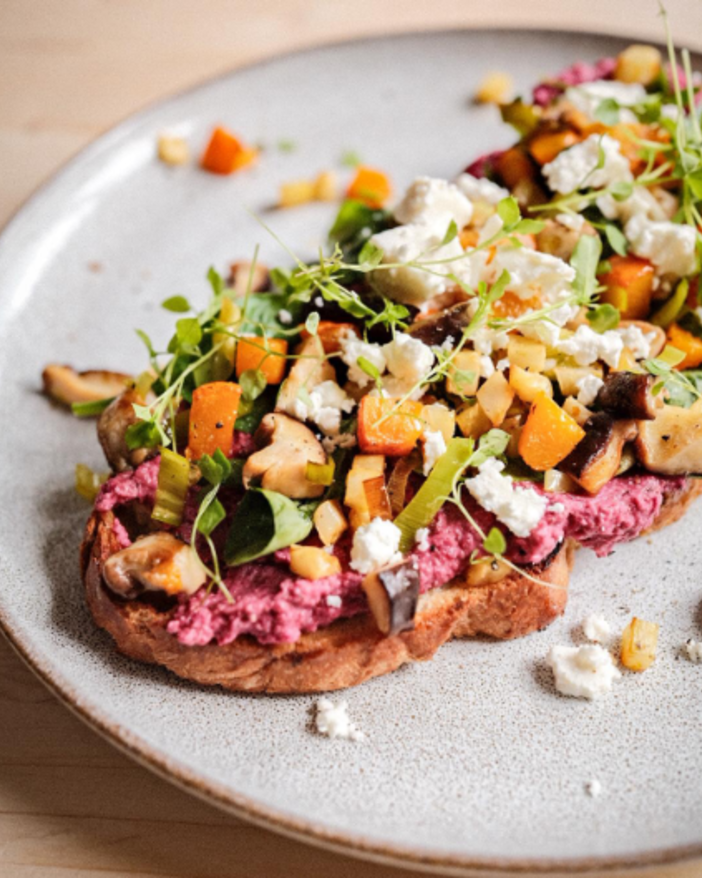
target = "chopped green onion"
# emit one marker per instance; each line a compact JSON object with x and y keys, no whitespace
{"x":173,"y":484}
{"x":320,"y":473}
{"x":670,"y":310}
{"x":88,"y":482}
{"x":422,"y":508}
{"x":91,"y":409}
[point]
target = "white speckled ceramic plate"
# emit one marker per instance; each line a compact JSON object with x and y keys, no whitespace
{"x":472,"y":761}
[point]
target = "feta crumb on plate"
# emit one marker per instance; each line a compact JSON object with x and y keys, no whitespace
{"x":593,"y":788}
{"x":333,"y":721}
{"x":597,"y":628}
{"x":693,"y":650}
{"x":582,"y":671}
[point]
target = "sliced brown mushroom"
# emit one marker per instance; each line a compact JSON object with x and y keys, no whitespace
{"x":596,"y":458}
{"x":112,"y":427}
{"x":559,"y":240}
{"x":392,"y":596}
{"x":436,"y":329}
{"x":672,"y":444}
{"x":159,"y":562}
{"x":67,"y":386}
{"x":310,"y":369}
{"x":629,"y":395}
{"x":287,"y":446}
{"x":239,"y":275}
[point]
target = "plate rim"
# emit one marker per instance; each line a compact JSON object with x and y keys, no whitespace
{"x":173,"y":771}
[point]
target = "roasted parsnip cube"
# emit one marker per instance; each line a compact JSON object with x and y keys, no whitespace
{"x":364,"y":467}
{"x":440,"y":419}
{"x":494,"y":88}
{"x":325,"y":186}
{"x":578,"y":412}
{"x":296,"y":192}
{"x":527,"y":385}
{"x":472,"y":421}
{"x":173,"y":150}
{"x":557,"y":482}
{"x":568,"y":377}
{"x":464,"y":374}
{"x":310,"y":562}
{"x":639,"y":642}
{"x":638,"y":64}
{"x":527,"y":353}
{"x":330,"y":521}
{"x":495,"y":398}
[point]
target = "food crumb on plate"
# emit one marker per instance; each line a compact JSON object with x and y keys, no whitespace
{"x":593,"y":788}
{"x":333,"y":721}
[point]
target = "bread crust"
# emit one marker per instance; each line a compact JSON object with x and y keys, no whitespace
{"x":349,"y":651}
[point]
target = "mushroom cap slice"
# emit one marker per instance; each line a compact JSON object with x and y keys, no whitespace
{"x":286,"y":447}
{"x":436,"y":329}
{"x":672,"y":443}
{"x":629,"y":395}
{"x":67,"y":386}
{"x":596,"y":458}
{"x":158,"y":562}
{"x":392,"y":595}
{"x":112,"y":427}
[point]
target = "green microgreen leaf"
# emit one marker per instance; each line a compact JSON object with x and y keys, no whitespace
{"x":91,"y":409}
{"x":603,"y":317}
{"x":350,"y":159}
{"x":147,"y":342}
{"x":450,"y":234}
{"x":370,"y":255}
{"x":495,"y":543}
{"x":188,"y":332}
{"x":312,"y":323}
{"x":178,"y":304}
{"x":615,"y":239}
{"x":209,"y":517}
{"x":584,"y":260}
{"x":253,"y":383}
{"x":607,"y":112}
{"x":508,"y":211}
{"x":285,"y":145}
{"x":492,"y":444}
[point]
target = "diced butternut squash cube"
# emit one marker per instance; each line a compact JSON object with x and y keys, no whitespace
{"x":386,"y":426}
{"x":364,"y":467}
{"x":549,"y":435}
{"x":688,"y":343}
{"x":212,"y":418}
{"x":464,"y":374}
{"x":267,"y":355}
{"x":173,"y":150}
{"x":330,"y":521}
{"x":629,"y":286}
{"x":325,"y":186}
{"x":514,"y":165}
{"x":370,"y":186}
{"x":330,"y":333}
{"x":440,"y":419}
{"x":546,"y":145}
{"x":495,"y":398}
{"x":472,"y":421}
{"x":527,"y":353}
{"x":296,"y":192}
{"x":639,"y":642}
{"x":528,"y":385}
{"x":311,"y":562}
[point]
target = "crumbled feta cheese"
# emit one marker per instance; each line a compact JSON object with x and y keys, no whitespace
{"x":588,"y":96}
{"x":375,"y":545}
{"x":333,"y":721}
{"x":421,"y":539}
{"x":588,"y":388}
{"x":486,"y":340}
{"x":635,"y":340}
{"x":520,"y":509}
{"x":693,"y":649}
{"x":573,"y":221}
{"x":593,"y":788}
{"x":447,"y":345}
{"x":434,"y":446}
{"x":640,"y":202}
{"x":333,"y":600}
{"x":583,"y":671}
{"x":352,"y":348}
{"x":341,"y":440}
{"x":422,"y":242}
{"x":597,"y":628}
{"x":284,"y":316}
{"x":586,"y":346}
{"x":408,"y":358}
{"x":669,"y":246}
{"x":323,"y":406}
{"x":319,"y":302}
{"x":436,"y":201}
{"x":556,"y":507}
{"x":577,"y":167}
{"x":487,"y":367}
{"x":480,"y":189}
{"x":533,"y":273}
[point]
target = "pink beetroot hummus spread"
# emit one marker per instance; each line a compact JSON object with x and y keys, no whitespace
{"x":275,"y":606}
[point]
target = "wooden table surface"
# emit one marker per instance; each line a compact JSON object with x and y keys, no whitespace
{"x":70,"y":804}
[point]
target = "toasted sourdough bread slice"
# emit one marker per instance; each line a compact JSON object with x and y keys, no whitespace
{"x":349,"y":651}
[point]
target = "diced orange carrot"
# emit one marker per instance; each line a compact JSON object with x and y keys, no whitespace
{"x":546,"y":145}
{"x":629,"y":285}
{"x":225,"y":153}
{"x":469,"y":238}
{"x":370,"y":186}
{"x":688,"y":343}
{"x":397,"y":434}
{"x":331,"y":333}
{"x":549,"y":435}
{"x":212,"y":418}
{"x":510,"y":305}
{"x":514,"y":165}
{"x":265,"y":354}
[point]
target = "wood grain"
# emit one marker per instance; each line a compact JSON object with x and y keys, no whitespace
{"x":70,"y":804}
